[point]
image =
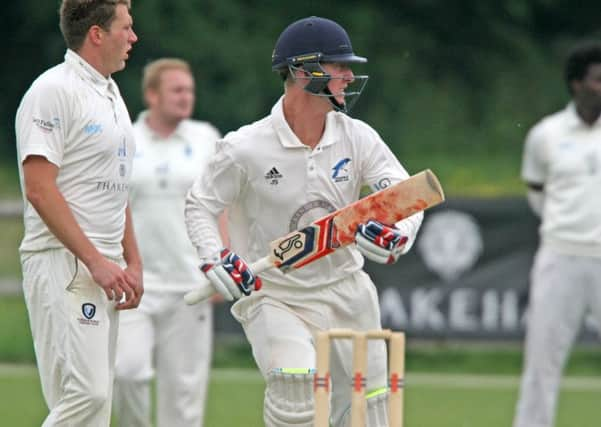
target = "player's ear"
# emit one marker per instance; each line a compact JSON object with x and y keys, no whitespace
{"x":95,"y":34}
{"x":151,"y":97}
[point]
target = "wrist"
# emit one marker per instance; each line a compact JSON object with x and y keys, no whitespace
{"x":137,"y":265}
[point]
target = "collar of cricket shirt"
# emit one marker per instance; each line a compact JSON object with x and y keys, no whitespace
{"x":574,"y":121}
{"x":100,"y":83}
{"x":289,"y":139}
{"x":181,"y":131}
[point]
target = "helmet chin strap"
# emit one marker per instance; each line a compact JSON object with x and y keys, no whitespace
{"x":337,"y":105}
{"x":318,"y":84}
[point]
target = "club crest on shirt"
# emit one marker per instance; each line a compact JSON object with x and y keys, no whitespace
{"x":341,"y":170}
{"x":309,"y":212}
{"x":89,"y":311}
{"x":273,"y":176}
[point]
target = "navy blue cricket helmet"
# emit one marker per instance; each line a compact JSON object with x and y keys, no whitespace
{"x":309,"y":42}
{"x":313,"y":39}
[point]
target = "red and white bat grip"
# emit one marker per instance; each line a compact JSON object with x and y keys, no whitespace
{"x":206,"y":289}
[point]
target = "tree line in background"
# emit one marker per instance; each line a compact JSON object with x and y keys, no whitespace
{"x":448,"y":80}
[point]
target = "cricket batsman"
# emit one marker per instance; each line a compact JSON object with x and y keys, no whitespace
{"x":276,"y":175}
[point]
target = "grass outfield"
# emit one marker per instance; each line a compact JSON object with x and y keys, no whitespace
{"x":439,"y":392}
{"x":431,"y":400}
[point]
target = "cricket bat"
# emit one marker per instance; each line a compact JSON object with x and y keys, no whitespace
{"x":337,"y":229}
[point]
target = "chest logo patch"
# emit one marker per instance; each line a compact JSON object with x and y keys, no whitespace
{"x":340,"y":171}
{"x":92,"y":129}
{"x":89,"y":311}
{"x":273,"y":176}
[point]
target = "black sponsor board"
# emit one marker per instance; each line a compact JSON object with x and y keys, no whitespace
{"x":466,"y":277}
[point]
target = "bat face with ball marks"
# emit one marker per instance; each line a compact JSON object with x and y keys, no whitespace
{"x":338,"y":228}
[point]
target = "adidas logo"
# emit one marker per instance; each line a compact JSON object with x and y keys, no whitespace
{"x":273,"y":174}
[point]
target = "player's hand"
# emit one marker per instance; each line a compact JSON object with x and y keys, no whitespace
{"x":133,"y":276}
{"x":112,"y":279}
{"x":380,"y":243}
{"x":231,"y":276}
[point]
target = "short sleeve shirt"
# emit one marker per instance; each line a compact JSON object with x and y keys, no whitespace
{"x":75,"y":118}
{"x":564,"y":155}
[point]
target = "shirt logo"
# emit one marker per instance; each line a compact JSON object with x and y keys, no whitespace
{"x":273,"y":176}
{"x":47,"y":125}
{"x":340,"y":173}
{"x":89,"y":311}
{"x":381,"y":184}
{"x":122,"y":151}
{"x":92,"y":129}
{"x":309,"y":212}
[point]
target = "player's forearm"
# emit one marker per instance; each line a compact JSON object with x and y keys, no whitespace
{"x":131,"y":254}
{"x":202,"y":227}
{"x":52,"y":207}
{"x":223,"y":229}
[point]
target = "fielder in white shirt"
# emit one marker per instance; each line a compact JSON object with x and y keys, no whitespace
{"x":165,"y":338}
{"x":79,"y":256}
{"x":279,"y":174}
{"x":562,"y":168}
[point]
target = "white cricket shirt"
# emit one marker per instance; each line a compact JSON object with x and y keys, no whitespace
{"x":75,"y":117}
{"x":274,"y":184}
{"x":564,"y":154}
{"x":164,"y":170}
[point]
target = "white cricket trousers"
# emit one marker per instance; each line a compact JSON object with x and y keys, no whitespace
{"x":74,"y":328}
{"x":171,"y":341}
{"x":282,"y":331}
{"x":563,"y":290}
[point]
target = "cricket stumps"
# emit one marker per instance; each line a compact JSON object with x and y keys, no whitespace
{"x":396,"y":369}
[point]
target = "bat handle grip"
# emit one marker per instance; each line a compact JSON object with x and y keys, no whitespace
{"x":206,"y":290}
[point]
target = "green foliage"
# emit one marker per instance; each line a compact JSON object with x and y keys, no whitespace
{"x":456,"y":85}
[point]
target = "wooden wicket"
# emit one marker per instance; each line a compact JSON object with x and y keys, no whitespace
{"x":396,"y":368}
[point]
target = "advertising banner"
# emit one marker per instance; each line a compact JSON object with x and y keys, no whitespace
{"x":466,"y":277}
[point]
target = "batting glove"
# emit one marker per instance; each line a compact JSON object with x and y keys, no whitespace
{"x":379,"y":242}
{"x":231,"y":276}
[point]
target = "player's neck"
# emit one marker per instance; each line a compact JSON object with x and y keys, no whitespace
{"x":306,"y":118}
{"x":588,"y":115}
{"x":160,"y":125}
{"x":93,"y":57}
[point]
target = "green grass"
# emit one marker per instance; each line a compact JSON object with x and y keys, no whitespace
{"x":16,"y":347}
{"x":235,"y":399}
{"x":9,"y":181}
{"x":15,"y":335}
{"x":10,"y":239}
{"x":448,"y":385}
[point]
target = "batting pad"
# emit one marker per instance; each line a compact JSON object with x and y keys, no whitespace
{"x":377,"y":410}
{"x":289,"y":398}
